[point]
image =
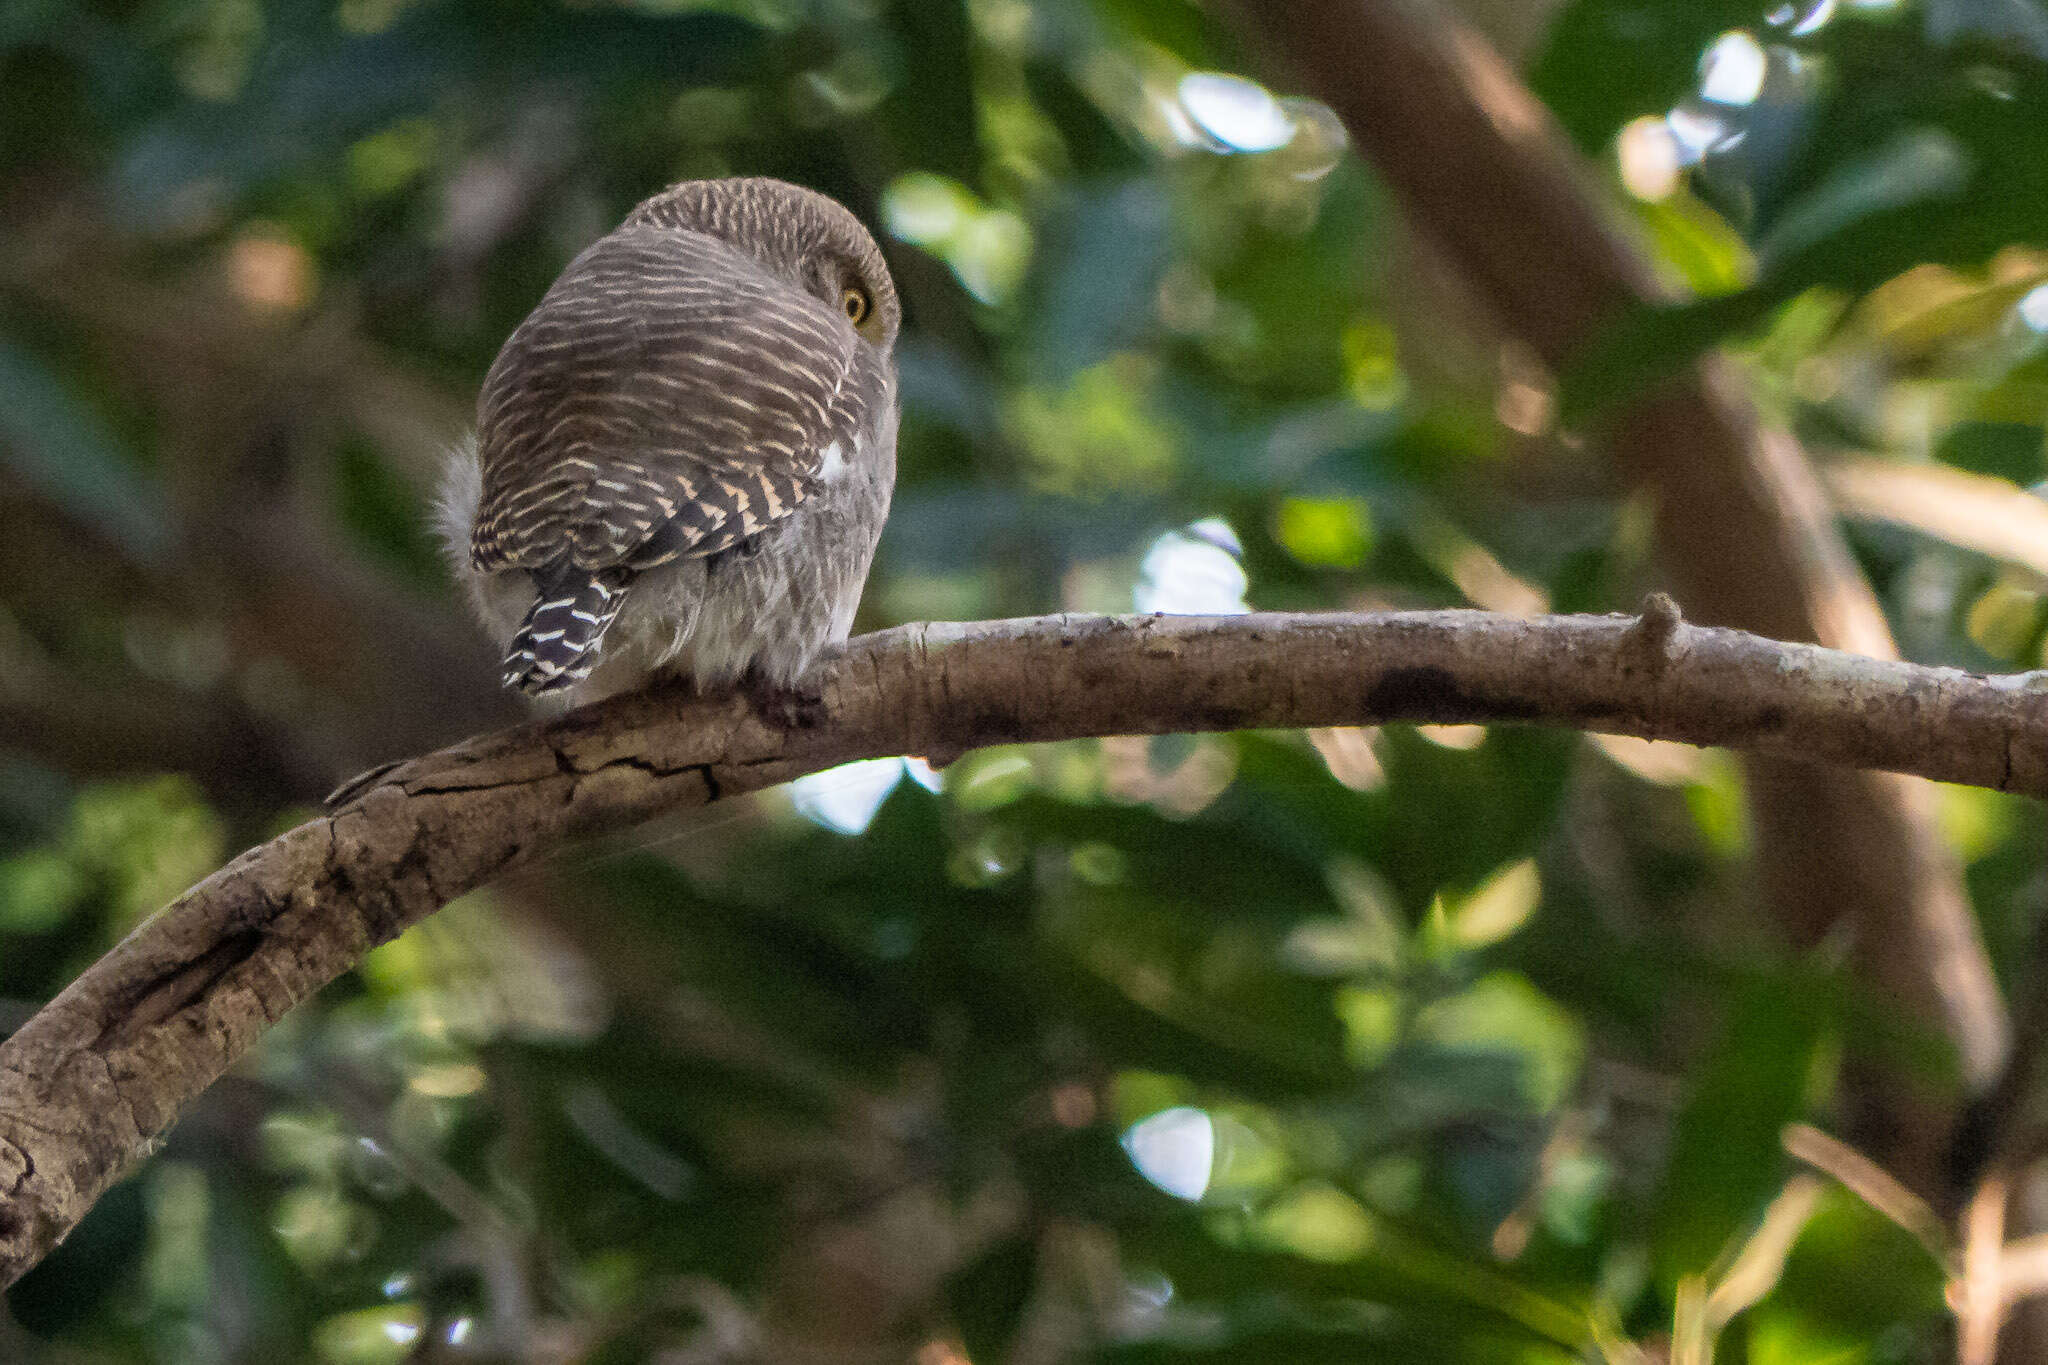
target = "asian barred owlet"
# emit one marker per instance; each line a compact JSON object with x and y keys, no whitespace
{"x":683,"y":456}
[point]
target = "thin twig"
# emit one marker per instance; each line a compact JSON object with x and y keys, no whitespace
{"x":1871,"y":1183}
{"x":1978,"y":1294}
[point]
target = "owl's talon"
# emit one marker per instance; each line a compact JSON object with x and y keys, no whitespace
{"x":791,"y":706}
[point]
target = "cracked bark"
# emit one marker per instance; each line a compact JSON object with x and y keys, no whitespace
{"x":90,"y":1083}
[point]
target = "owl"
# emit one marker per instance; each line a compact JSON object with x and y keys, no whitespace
{"x":683,"y":456}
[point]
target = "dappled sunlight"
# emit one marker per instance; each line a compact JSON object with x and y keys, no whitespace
{"x":987,"y":248}
{"x":1651,"y":157}
{"x":846,"y":798}
{"x":1197,"y":571}
{"x":1732,"y":71}
{"x":1177,"y":776}
{"x":1214,"y":111}
{"x":2033,"y":308}
{"x":1234,"y":114}
{"x":270,"y":273}
{"x":1098,"y":433}
{"x":1807,"y":16}
{"x":1175,"y":1149}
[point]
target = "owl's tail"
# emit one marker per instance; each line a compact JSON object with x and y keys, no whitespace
{"x":557,"y":645}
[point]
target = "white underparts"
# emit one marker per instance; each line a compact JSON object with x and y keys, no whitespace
{"x":832,"y":463}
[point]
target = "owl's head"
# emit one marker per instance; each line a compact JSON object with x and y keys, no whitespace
{"x":803,"y":236}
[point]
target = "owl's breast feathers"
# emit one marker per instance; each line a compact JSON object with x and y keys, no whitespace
{"x":668,"y":397}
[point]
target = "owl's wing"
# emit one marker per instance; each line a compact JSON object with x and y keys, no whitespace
{"x":668,"y":397}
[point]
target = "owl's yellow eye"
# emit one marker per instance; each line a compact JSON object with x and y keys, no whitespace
{"x":857,"y":304}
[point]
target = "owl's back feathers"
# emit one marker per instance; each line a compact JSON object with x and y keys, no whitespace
{"x":688,"y":384}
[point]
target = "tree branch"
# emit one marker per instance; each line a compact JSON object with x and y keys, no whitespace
{"x":89,"y":1084}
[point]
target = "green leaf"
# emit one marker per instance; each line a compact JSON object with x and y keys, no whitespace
{"x":1727,"y":1160}
{"x":1920,"y":152}
{"x":932,"y":105}
{"x":1393,"y":1344}
{"x":988,"y":1298}
{"x":1606,"y":61}
{"x":38,"y":891}
{"x":385,"y":514}
{"x":1913,"y":167}
{"x":64,"y":449}
{"x":1099,"y":258}
{"x":1186,"y":29}
{"x":1651,"y":343}
{"x":2006,"y":450}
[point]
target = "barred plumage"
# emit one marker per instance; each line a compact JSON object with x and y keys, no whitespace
{"x":692,"y":382}
{"x":556,"y":646}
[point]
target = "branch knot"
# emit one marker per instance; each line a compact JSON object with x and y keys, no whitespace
{"x":1654,"y":636}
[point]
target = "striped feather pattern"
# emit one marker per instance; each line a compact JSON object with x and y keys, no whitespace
{"x":556,"y":646}
{"x":670,"y":396}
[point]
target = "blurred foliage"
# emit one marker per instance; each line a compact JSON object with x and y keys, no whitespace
{"x":1430,"y":1044}
{"x":1845,"y":149}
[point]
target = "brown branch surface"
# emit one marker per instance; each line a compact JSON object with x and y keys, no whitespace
{"x":90,"y":1082}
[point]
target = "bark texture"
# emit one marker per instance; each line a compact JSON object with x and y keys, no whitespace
{"x":89,"y":1084}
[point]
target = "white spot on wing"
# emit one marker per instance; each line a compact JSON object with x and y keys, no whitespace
{"x":832,"y":463}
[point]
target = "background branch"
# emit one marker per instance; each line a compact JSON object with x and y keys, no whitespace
{"x":90,"y":1083}
{"x":1743,"y":527}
